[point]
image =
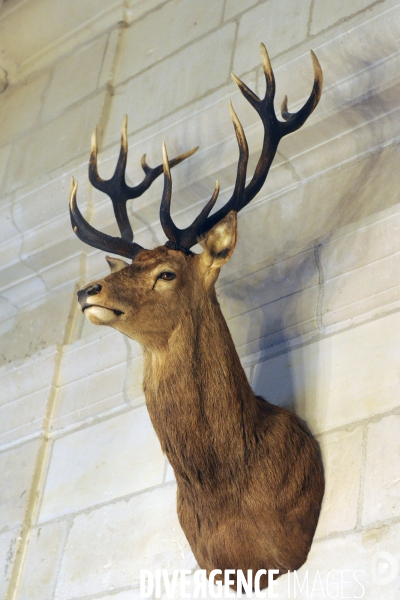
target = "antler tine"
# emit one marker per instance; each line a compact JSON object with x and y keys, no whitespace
{"x":243,"y":156}
{"x":116,"y":187}
{"x":181,"y":239}
{"x":268,"y":73}
{"x":295,"y":120}
{"x":196,"y":229}
{"x":169,"y":227}
{"x":97,"y":239}
{"x":234,"y":203}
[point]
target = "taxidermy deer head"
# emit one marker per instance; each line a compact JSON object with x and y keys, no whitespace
{"x":249,"y":479}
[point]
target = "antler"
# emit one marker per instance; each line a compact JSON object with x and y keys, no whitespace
{"x":183,"y":239}
{"x":274,"y":130}
{"x":119,"y":192}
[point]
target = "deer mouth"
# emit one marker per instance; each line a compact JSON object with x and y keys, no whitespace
{"x":116,"y":312}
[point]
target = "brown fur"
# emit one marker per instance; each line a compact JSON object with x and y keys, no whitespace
{"x":249,"y":478}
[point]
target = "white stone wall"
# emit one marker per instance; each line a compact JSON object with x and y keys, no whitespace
{"x":312,"y":294}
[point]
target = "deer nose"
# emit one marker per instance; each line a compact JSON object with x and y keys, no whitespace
{"x":90,"y":290}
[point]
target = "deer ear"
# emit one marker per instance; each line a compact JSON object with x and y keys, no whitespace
{"x":116,"y":264}
{"x":219,"y":243}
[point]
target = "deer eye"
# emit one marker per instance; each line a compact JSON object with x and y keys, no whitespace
{"x":167,"y":276}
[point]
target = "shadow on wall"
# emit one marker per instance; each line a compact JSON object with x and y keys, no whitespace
{"x":294,"y":379}
{"x":284,"y":378}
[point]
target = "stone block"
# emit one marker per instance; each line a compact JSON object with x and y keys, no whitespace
{"x":271,"y":23}
{"x":16,"y":466}
{"x":323,"y":14}
{"x":21,"y":292}
{"x":107,"y":548}
{"x":234,"y":7}
{"x":382,"y":472}
{"x":43,"y":36}
{"x":25,"y":377}
{"x":40,"y":570}
{"x":98,"y":464}
{"x":177,"y":23}
{"x":4,"y":154}
{"x":364,"y":291}
{"x":266,"y":284}
{"x":6,"y":221}
{"x":332,"y":382}
{"x":7,"y":310}
{"x":50,"y":199}
{"x":342,"y":458}
{"x":361,"y":243}
{"x":71,"y":131}
{"x":95,"y":395}
{"x":84,"y":358}
{"x":54,"y":242}
{"x":23,"y":417}
{"x":75,"y":77}
{"x":20,"y":107}
{"x":63,"y":274}
{"x":134,"y":378}
{"x":177,"y":77}
{"x":295,"y":313}
{"x":359,"y":266}
{"x":37,"y":326}
{"x":12,"y":268}
{"x":8,"y":545}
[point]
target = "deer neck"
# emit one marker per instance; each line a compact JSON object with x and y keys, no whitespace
{"x":198,"y":397}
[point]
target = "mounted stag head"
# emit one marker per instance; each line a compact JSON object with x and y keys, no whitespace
{"x":249,"y":479}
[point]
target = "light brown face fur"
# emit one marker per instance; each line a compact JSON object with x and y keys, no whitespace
{"x":148,"y":299}
{"x":146,"y":293}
